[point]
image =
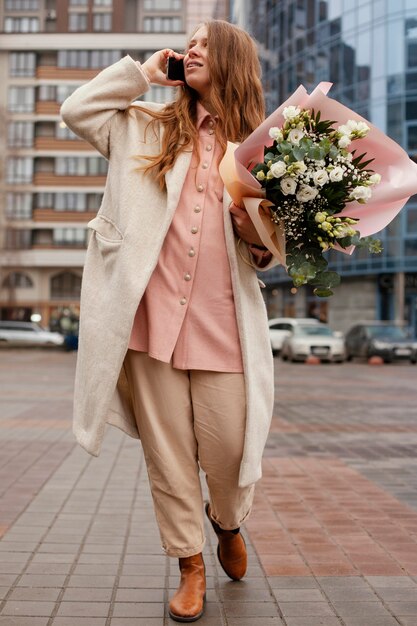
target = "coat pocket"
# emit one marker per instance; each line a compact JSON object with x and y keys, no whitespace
{"x":105,"y":229}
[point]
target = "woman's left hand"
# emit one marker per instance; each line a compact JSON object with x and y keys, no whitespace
{"x":243,"y":225}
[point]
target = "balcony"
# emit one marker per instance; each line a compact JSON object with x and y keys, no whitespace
{"x":49,"y":179}
{"x":51,"y":215}
{"x":43,"y":257}
{"x":65,"y":73}
{"x":51,"y":143}
{"x":47,"y":107}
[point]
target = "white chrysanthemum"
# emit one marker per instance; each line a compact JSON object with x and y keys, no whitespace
{"x":344,"y":141}
{"x":345,"y":129}
{"x":288,"y":186}
{"x":320,"y":177}
{"x":278,"y":169}
{"x":361,"y":193}
{"x":275,"y":133}
{"x":291,"y":112}
{"x":306,"y":193}
{"x":336,"y":174}
{"x":295,"y":135}
{"x":374,"y":179}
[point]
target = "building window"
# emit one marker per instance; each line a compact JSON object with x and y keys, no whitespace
{"x":21,"y":99}
{"x":17,"y":279}
{"x":88,"y":59}
{"x":78,"y":3}
{"x":158,"y":94}
{"x":162,"y":25}
{"x":103,"y":3}
{"x":163,"y":5}
{"x":66,"y":285}
{"x":21,"y":25}
{"x":47,"y":93}
{"x":102,"y":21}
{"x":18,"y":239}
{"x":63,"y":132}
{"x":71,"y":202}
{"x":69,"y":237}
{"x":18,"y":206}
{"x":20,"y":134}
{"x":44,"y":200}
{"x":64,"y":91}
{"x":22,"y":64}
{"x":80,"y":166}
{"x":19,"y":170}
{"x":77,"y":22}
{"x":22,"y":5}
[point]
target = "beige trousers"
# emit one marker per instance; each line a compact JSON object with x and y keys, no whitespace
{"x":188,"y":419}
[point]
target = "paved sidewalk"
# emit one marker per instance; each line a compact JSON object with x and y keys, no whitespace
{"x":332,"y":539}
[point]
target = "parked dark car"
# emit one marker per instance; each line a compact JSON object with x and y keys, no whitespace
{"x":388,"y":340}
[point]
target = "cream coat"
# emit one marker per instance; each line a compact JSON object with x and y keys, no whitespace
{"x":128,"y":233}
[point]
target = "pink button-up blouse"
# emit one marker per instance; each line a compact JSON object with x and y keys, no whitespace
{"x":187,"y":314}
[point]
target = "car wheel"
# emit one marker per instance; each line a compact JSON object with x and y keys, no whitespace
{"x":413,"y":361}
{"x":284,"y":357}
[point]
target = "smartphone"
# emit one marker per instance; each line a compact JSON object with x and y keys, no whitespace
{"x":175,"y":69}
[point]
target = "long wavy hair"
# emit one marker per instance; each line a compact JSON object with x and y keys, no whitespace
{"x":236,"y":97}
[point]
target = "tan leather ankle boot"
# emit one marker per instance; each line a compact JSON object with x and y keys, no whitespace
{"x":231,"y":550}
{"x":187,"y":604}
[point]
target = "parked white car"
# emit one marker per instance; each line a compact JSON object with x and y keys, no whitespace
{"x":27,"y":334}
{"x":314,"y":340}
{"x":281,"y":327}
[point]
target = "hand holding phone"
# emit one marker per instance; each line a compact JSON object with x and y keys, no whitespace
{"x":175,"y":69}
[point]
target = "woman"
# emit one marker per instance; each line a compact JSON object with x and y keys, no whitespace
{"x":173,"y":337}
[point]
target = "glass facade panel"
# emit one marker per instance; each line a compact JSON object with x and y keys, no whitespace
{"x":368,"y":50}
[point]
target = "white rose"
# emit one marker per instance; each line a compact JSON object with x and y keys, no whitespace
{"x":295,"y":135}
{"x":336,"y":174}
{"x":290,"y":112}
{"x":374,"y":179}
{"x":278,"y":169}
{"x":320,"y":177}
{"x":344,"y":141}
{"x":275,"y":133}
{"x":361,"y":193}
{"x":288,"y":186}
{"x":306,"y":193}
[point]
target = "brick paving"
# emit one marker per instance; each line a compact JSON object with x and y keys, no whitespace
{"x":332,"y":539}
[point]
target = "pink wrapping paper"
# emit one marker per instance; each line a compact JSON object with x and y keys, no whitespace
{"x":398,"y":172}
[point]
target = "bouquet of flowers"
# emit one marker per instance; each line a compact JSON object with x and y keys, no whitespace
{"x":310,"y":176}
{"x":307,"y":191}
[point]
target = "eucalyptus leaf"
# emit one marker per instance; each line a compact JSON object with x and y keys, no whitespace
{"x":321,"y":292}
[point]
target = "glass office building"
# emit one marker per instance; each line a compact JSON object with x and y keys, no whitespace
{"x":368,"y":50}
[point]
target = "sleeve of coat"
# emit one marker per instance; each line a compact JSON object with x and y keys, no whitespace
{"x":89,"y":111}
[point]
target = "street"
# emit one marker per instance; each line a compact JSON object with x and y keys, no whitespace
{"x":332,"y":538}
